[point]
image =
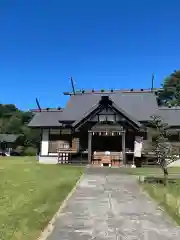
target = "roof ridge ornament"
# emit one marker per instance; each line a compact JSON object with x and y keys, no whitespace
{"x":105,"y":100}
{"x":114,"y":91}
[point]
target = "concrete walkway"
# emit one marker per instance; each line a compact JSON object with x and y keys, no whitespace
{"x":107,"y":205}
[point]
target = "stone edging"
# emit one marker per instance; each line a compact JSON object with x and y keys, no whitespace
{"x":50,"y":227}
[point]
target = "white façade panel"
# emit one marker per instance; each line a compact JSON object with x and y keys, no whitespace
{"x":45,"y":142}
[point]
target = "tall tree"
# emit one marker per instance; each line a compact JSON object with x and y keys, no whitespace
{"x":170,"y":95}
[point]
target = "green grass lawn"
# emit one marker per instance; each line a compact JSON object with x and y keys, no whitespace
{"x":30,"y":194}
{"x":150,"y":171}
{"x":167,"y":196}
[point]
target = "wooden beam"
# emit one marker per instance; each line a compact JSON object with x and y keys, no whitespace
{"x":124,"y":147}
{"x":89,"y":147}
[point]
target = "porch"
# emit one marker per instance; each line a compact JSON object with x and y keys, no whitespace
{"x":101,"y":145}
{"x":108,"y":145}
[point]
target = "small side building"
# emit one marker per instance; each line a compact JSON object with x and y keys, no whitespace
{"x":95,"y":122}
{"x":7,"y":142}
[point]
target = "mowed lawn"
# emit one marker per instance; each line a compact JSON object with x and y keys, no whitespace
{"x":150,"y":171}
{"x":166,"y":196}
{"x":30,"y":194}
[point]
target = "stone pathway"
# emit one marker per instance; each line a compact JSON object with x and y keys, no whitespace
{"x":107,"y":205}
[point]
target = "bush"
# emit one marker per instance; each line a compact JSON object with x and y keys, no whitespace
{"x":30,"y":151}
{"x":20,"y":149}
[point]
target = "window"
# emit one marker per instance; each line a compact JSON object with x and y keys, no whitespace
{"x":58,"y":141}
{"x":102,"y":118}
{"x":173,"y":137}
{"x":110,"y":118}
{"x":54,"y":137}
{"x":55,"y":145}
{"x":106,"y":118}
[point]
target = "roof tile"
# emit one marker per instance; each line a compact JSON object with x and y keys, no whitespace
{"x":139,"y":105}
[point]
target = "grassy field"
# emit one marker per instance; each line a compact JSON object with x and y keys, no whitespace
{"x":167,"y":196}
{"x":150,"y":171}
{"x":30,"y":195}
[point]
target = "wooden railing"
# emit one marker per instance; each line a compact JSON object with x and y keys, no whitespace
{"x":60,"y":144}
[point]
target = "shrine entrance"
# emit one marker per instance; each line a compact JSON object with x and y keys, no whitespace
{"x":106,"y":144}
{"x":107,"y":125}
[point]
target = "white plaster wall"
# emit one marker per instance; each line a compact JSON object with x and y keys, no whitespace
{"x":53,"y":154}
{"x":48,"y":160}
{"x":45,"y":142}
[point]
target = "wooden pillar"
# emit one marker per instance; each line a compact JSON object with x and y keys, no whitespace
{"x":124,"y":147}
{"x":149,"y":134}
{"x":89,"y":147}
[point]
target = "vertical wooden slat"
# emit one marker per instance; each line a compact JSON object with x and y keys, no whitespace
{"x":75,"y":144}
{"x":89,"y":147}
{"x":124,"y":147}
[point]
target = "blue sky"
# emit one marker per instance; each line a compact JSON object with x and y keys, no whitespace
{"x":100,"y":43}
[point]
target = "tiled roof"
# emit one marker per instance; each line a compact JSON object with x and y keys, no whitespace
{"x":46,"y":119}
{"x":170,"y":115}
{"x":139,"y":105}
{"x":8,"y":137}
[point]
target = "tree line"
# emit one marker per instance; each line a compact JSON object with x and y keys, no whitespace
{"x":15,"y":121}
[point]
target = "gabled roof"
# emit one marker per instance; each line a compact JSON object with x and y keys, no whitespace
{"x":171,"y":116}
{"x":139,"y":106}
{"x":127,"y":115}
{"x":86,"y":114}
{"x":106,"y":101}
{"x":46,"y":119}
{"x":8,"y":137}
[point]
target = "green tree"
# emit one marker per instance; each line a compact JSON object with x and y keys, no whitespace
{"x":13,"y":125}
{"x":15,"y":121}
{"x":170,"y":95}
{"x":165,"y":153}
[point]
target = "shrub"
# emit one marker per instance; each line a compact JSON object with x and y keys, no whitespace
{"x":19,"y":149}
{"x":30,"y":151}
